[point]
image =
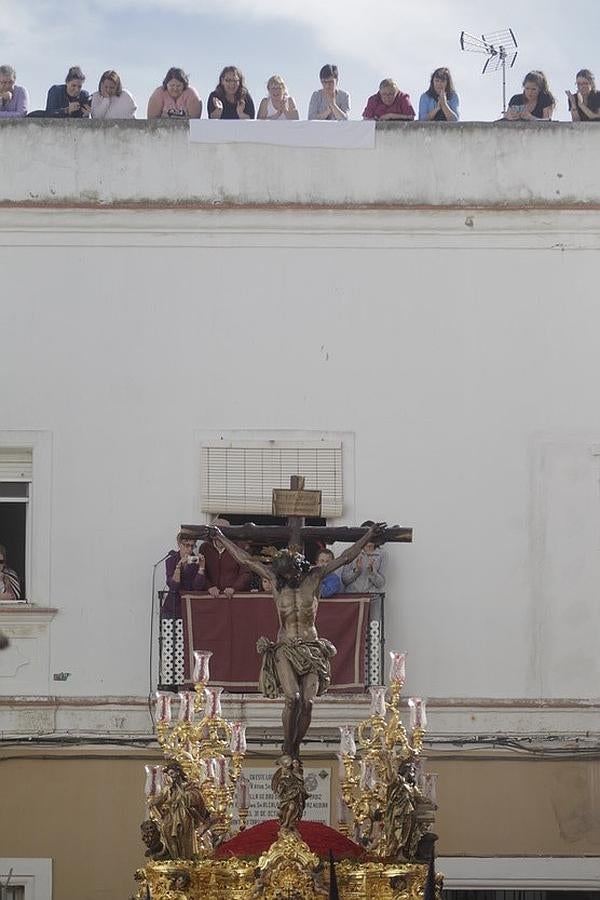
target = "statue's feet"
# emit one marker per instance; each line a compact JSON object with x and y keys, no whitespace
{"x":285,"y":761}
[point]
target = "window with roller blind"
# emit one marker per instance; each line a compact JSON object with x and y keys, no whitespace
{"x":238,"y":477}
{"x":16,"y":473}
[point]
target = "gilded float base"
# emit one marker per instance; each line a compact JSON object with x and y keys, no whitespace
{"x":289,"y":870}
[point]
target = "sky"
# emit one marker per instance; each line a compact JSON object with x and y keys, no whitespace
{"x":368,"y":41}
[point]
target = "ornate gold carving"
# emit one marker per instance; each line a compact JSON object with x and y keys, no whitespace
{"x":287,"y":871}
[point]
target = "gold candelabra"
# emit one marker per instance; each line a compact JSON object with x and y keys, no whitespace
{"x":208,"y":747}
{"x":391,"y":803}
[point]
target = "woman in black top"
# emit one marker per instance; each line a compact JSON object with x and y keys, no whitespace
{"x":230,"y":99}
{"x":584,"y":106}
{"x":536,"y":101}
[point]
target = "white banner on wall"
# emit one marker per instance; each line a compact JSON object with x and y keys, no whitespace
{"x":324,"y":135}
{"x":263,"y":803}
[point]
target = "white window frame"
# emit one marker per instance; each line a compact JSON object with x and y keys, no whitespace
{"x":37,"y":538}
{"x":345,"y":439}
{"x":35,"y":875}
{"x":520,"y":873}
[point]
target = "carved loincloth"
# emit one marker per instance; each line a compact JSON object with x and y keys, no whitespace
{"x":304,"y":657}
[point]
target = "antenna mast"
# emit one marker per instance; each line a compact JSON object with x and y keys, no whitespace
{"x":500,"y":47}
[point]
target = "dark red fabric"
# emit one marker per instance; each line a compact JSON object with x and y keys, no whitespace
{"x":223,"y":571}
{"x":320,"y":838}
{"x":230,"y":627}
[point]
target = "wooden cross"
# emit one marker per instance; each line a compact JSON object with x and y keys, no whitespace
{"x":297,"y":504}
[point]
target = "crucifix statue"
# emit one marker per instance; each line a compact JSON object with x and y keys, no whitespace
{"x":297,"y":664}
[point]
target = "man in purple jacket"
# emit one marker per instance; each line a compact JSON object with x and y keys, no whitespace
{"x":13,"y":98}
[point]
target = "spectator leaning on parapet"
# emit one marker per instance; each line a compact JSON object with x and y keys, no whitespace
{"x":330,"y":102}
{"x":278,"y":106}
{"x":223,"y":573}
{"x":439,"y":103}
{"x":68,"y":100}
{"x":584,"y":106}
{"x":175,"y":99}
{"x":13,"y":98}
{"x":536,"y":101}
{"x":389,"y":103}
{"x":111,"y":101}
{"x":230,"y":99}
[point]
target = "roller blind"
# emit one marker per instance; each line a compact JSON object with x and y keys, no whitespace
{"x":240,"y":477}
{"x":15,"y":464}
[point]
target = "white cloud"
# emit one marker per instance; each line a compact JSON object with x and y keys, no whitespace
{"x":400,"y":38}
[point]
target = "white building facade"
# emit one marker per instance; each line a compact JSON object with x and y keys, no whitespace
{"x":429,"y":307}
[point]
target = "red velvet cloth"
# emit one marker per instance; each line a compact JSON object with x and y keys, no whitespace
{"x":320,"y":838}
{"x":230,"y":628}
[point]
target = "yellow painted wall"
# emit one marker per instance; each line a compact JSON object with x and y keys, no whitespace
{"x":84,"y":813}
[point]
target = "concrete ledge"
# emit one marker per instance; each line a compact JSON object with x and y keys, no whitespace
{"x":152,"y":163}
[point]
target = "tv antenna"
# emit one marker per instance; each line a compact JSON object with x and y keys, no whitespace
{"x":500,"y":47}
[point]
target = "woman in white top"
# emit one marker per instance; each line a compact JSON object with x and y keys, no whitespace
{"x":278,"y":105}
{"x":111,"y":101}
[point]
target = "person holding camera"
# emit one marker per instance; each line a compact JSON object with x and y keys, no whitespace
{"x":175,"y":99}
{"x":184,"y":571}
{"x":68,"y":100}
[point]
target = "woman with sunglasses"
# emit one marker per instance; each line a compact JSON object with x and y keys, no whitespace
{"x":439,"y":103}
{"x":584,"y":106}
{"x":10,"y":587}
{"x":231,"y":98}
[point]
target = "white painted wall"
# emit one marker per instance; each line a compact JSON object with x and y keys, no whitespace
{"x":463,"y":357}
{"x":56,"y":161}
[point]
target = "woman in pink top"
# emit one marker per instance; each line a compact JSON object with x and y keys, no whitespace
{"x":175,"y":99}
{"x":389,"y":103}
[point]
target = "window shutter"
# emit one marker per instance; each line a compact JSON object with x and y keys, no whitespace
{"x":240,"y":477}
{"x":15,"y":464}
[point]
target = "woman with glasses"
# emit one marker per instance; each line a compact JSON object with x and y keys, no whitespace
{"x":278,"y":106}
{"x":584,"y":106}
{"x":10,"y":587}
{"x":175,"y":99}
{"x":231,"y":99}
{"x":439,"y":103}
{"x":330,"y":102}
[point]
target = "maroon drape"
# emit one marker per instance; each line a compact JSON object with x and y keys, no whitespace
{"x":230,"y":627}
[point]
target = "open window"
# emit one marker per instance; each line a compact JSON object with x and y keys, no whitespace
{"x":15,"y":497}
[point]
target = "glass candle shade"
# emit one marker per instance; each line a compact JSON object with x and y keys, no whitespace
{"x":347,"y":743}
{"x":368,"y":776}
{"x":397,"y":666}
{"x":201,"y":670}
{"x":238,"y":737}
{"x":212,"y":701}
{"x":222,"y":770}
{"x":186,"y":706}
{"x":154,"y":780}
{"x":242,"y":793}
{"x":377,"y":700}
{"x":163,"y":706}
{"x":428,"y":786}
{"x":418,"y":714}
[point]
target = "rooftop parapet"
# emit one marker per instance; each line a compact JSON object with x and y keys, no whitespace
{"x":153,"y":163}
